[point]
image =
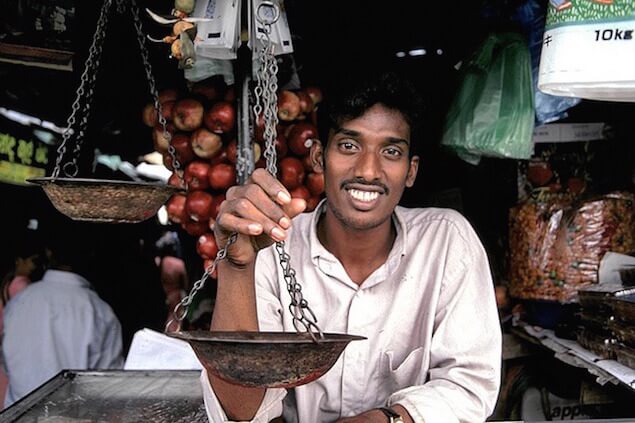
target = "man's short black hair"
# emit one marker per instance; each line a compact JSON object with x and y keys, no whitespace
{"x":354,"y":95}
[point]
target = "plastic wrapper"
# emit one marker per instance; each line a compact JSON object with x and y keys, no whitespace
{"x":598,"y":343}
{"x":556,"y":245}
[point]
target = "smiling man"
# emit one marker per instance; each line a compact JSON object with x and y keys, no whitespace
{"x":415,"y":282}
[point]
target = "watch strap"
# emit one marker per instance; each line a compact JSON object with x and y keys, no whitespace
{"x":393,"y":416}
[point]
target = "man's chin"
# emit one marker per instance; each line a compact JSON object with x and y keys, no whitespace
{"x":360,"y":223}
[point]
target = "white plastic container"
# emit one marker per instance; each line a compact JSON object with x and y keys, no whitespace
{"x":589,"y":50}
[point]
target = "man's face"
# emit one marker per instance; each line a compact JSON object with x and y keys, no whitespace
{"x":366,"y":167}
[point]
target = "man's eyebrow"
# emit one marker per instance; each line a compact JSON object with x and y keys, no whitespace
{"x":344,"y":131}
{"x":393,"y":140}
{"x":352,"y":133}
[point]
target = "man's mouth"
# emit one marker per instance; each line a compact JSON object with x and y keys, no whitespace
{"x":363,"y":196}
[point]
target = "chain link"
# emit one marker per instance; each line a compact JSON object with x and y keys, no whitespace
{"x":84,"y":93}
{"x":180,"y":310}
{"x":141,"y":39}
{"x":86,"y":90}
{"x":267,"y":103}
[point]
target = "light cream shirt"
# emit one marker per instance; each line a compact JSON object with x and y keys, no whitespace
{"x":428,"y":313}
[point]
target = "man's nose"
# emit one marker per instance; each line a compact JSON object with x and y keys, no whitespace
{"x":368,"y":166}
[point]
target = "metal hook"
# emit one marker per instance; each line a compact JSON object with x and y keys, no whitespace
{"x":268,"y":12}
{"x":67,"y":169}
{"x":121,"y":6}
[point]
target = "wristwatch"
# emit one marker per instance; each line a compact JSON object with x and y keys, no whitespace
{"x":393,"y":417}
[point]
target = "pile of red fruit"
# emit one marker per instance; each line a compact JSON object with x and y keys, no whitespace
{"x":202,"y":127}
{"x":297,"y":128}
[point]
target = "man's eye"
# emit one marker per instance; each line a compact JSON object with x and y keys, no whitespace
{"x":393,"y":152}
{"x":347,"y":145}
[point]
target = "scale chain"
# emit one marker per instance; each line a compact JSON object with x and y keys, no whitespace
{"x":153,"y":89}
{"x":94,"y":53}
{"x":303,"y":316}
{"x":86,"y":91}
{"x":87,"y":80}
{"x":265,"y":105}
{"x":180,"y":310}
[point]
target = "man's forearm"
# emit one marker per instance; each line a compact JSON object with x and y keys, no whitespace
{"x":235,"y":306}
{"x":235,"y":310}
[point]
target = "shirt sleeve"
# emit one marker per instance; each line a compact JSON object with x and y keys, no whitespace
{"x":270,"y":408}
{"x":27,"y":367}
{"x":465,"y":356}
{"x":109,"y":346}
{"x":269,"y":319}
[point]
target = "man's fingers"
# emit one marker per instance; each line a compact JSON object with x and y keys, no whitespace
{"x":256,"y":194}
{"x":244,"y":217}
{"x":270,"y":185}
{"x":268,"y":206}
{"x":261,"y":207}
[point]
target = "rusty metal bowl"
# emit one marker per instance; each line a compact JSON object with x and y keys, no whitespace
{"x":100,"y":200}
{"x":266,"y":359}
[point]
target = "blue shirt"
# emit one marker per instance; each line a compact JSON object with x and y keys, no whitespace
{"x":55,"y":324}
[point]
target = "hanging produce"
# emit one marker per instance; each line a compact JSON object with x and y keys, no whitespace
{"x":183,"y":34}
{"x":202,"y":131}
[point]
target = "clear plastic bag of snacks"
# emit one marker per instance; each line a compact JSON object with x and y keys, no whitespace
{"x":556,"y":244}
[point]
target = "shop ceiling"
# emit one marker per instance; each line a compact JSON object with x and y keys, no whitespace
{"x":423,"y":39}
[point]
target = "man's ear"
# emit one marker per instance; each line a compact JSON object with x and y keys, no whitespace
{"x":317,"y":156}
{"x":412,"y":171}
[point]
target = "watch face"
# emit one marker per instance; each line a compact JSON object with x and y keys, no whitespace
{"x":392,"y":415}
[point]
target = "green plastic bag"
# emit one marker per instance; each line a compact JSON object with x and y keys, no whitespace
{"x":493,"y":112}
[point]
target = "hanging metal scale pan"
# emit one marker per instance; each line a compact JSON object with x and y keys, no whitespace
{"x":98,"y":200}
{"x":266,"y":359}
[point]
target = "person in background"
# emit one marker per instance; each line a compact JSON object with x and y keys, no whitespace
{"x":59,"y":322}
{"x":174,"y":278}
{"x":415,"y":282}
{"x":30,"y":264}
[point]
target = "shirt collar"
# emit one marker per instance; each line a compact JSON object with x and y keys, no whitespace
{"x":62,"y":276}
{"x":318,"y":250}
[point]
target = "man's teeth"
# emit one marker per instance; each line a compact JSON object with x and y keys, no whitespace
{"x":363,"y":195}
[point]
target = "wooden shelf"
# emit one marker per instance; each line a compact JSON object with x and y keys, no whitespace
{"x":36,"y":56}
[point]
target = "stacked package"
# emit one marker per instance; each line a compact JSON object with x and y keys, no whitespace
{"x":623,"y":328}
{"x":597,"y":318}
